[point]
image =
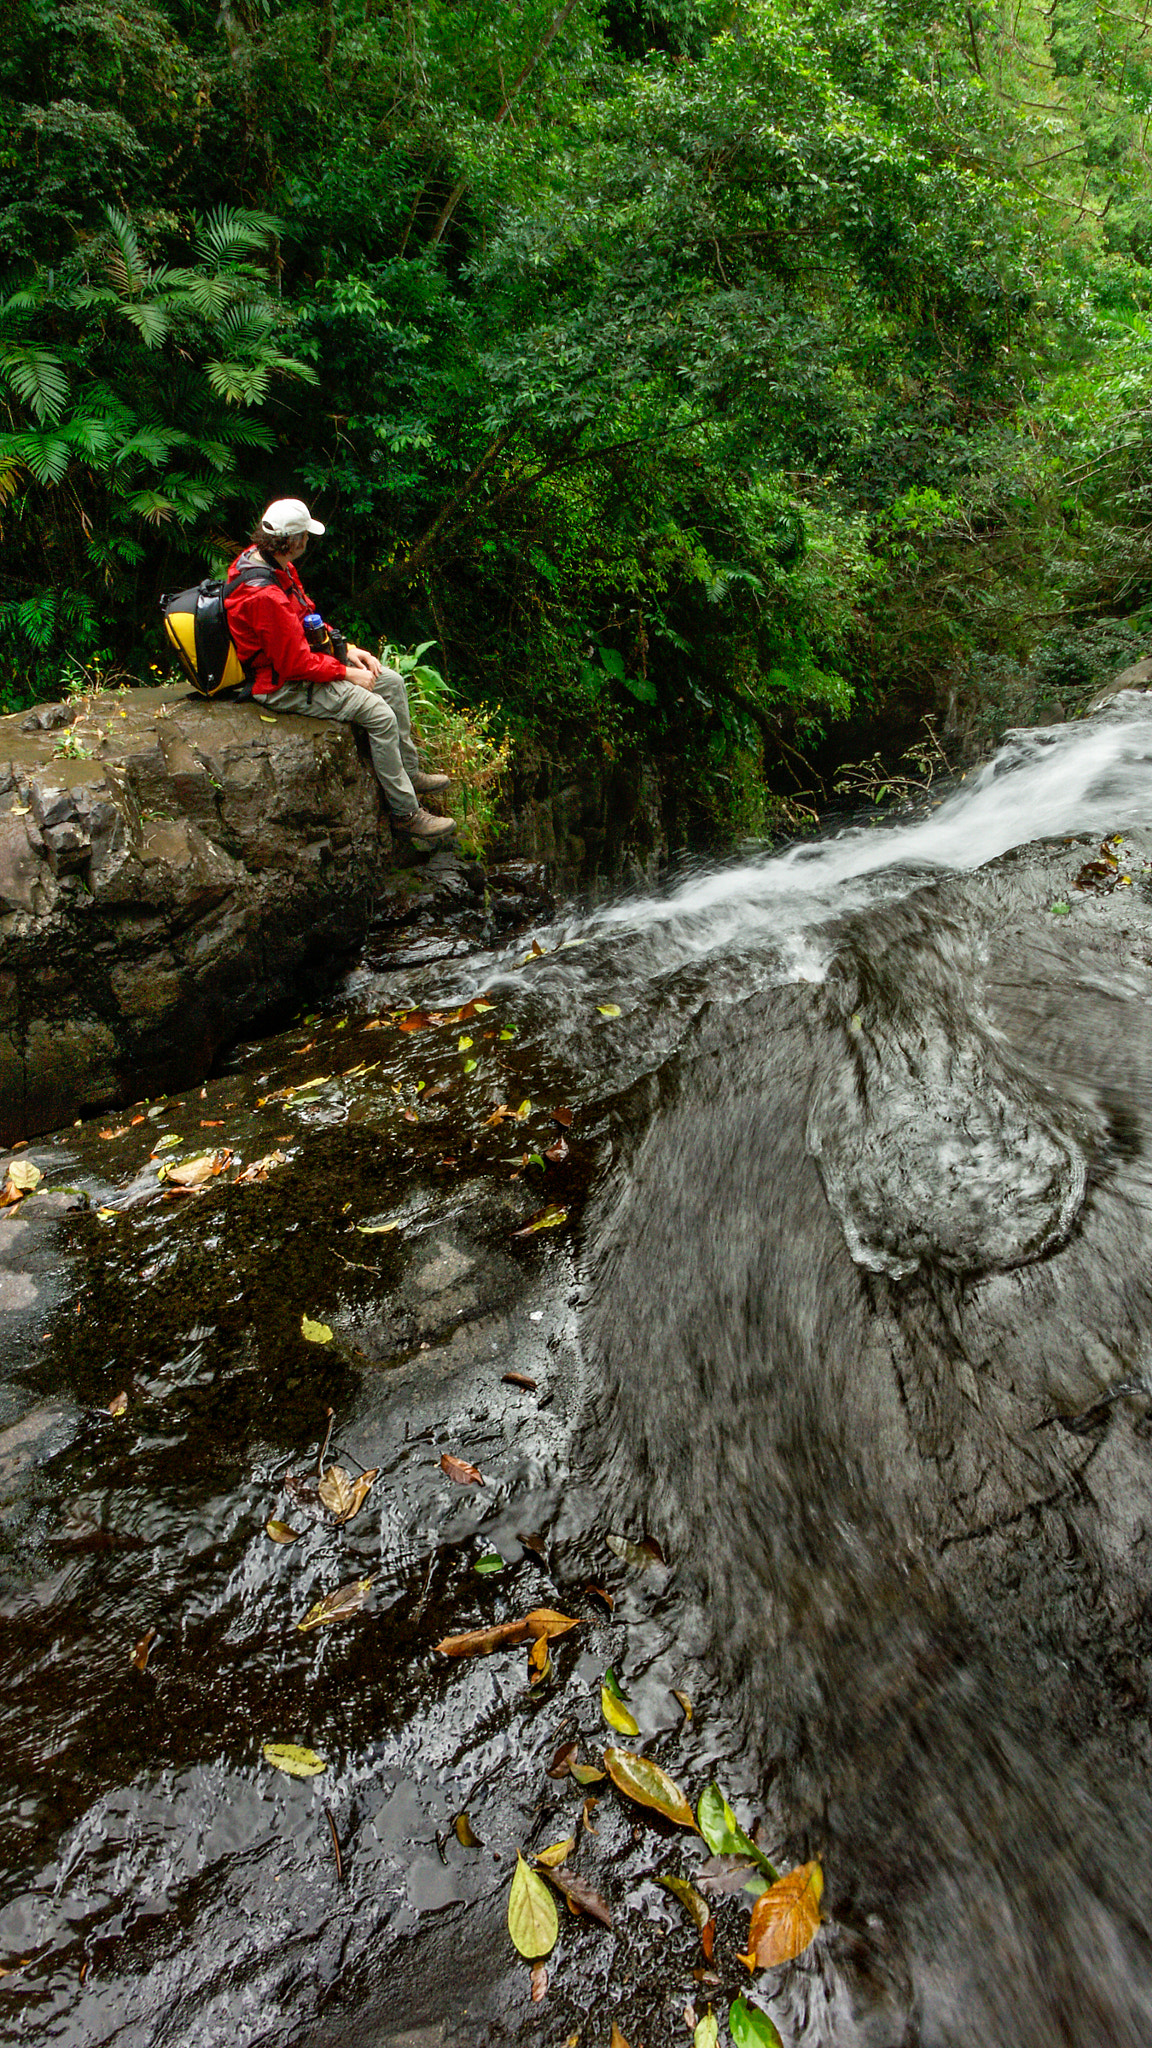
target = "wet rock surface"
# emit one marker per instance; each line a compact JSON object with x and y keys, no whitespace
{"x":168,"y":869}
{"x":908,"y":1576}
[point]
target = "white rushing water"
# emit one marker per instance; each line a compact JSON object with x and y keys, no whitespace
{"x":1092,"y":778}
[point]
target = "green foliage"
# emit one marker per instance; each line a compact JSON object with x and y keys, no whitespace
{"x":467,"y":744}
{"x":684,"y":370}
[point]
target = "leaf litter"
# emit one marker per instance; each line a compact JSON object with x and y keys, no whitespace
{"x":338,"y":1606}
{"x":342,"y":1495}
{"x":542,"y":1622}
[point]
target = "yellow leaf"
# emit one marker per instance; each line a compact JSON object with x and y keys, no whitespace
{"x":683,"y":1702}
{"x":586,"y":1774}
{"x":545,"y":1621}
{"x":532,"y":1920}
{"x":617,"y":1716}
{"x":316,"y":1333}
{"x":297,"y":1762}
{"x":464,"y":1043}
{"x":24,"y":1175}
{"x":338,"y":1606}
{"x":524,"y":1111}
{"x":608,"y":1009}
{"x":193,"y":1173}
{"x":785,"y":1918}
{"x":465,"y":1833}
{"x":280,"y":1532}
{"x":617,"y":2040}
{"x":559,"y":1853}
{"x":644,"y":1781}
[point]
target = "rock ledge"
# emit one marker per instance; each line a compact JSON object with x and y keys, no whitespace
{"x":167,"y":869}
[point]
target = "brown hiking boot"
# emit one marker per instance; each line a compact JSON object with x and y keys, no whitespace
{"x":424,"y":825}
{"x":430,"y":785}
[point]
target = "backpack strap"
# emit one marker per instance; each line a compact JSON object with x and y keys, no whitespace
{"x":257,"y":574}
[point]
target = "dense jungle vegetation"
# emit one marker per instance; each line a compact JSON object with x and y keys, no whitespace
{"x":690,"y":370}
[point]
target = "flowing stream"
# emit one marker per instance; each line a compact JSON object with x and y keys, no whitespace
{"x":843,"y":1301}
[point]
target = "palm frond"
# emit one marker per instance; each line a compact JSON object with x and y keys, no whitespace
{"x":37,"y":376}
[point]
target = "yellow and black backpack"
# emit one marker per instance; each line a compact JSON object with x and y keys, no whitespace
{"x":196,"y":631}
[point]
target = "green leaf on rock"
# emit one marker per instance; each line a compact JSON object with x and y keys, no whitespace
{"x":532,"y":1918}
{"x":751,"y":2028}
{"x":491,"y":1562}
{"x":723,"y":1833}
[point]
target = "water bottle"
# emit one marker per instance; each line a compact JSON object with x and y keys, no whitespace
{"x":315,"y":631}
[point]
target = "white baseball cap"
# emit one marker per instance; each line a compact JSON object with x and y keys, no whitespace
{"x":290,"y":516}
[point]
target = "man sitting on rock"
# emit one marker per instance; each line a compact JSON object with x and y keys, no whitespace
{"x":266,"y":621}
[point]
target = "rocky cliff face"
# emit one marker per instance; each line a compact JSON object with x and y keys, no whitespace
{"x":167,"y":869}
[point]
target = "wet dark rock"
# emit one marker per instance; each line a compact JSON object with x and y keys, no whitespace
{"x":166,"y":886}
{"x":48,"y":718}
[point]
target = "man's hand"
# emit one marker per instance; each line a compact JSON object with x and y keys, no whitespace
{"x":356,"y":672}
{"x":359,"y":657}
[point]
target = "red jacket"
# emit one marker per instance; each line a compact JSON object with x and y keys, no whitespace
{"x":264,"y":620}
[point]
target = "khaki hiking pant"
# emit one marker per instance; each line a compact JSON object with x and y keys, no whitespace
{"x":384,"y":714}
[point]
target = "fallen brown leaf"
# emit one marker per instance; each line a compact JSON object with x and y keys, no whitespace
{"x":563,"y":1117}
{"x":539,"y":1982}
{"x":477,"y":1642}
{"x":581,"y":1894}
{"x":462,"y":1473}
{"x":558,"y":1152}
{"x":118,"y":1404}
{"x":143,"y":1647}
{"x":342,"y":1495}
{"x":563,"y":1760}
{"x":519,"y":1379}
{"x":785,"y":1918}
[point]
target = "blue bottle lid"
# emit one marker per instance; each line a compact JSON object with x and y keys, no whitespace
{"x":312,"y":619}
